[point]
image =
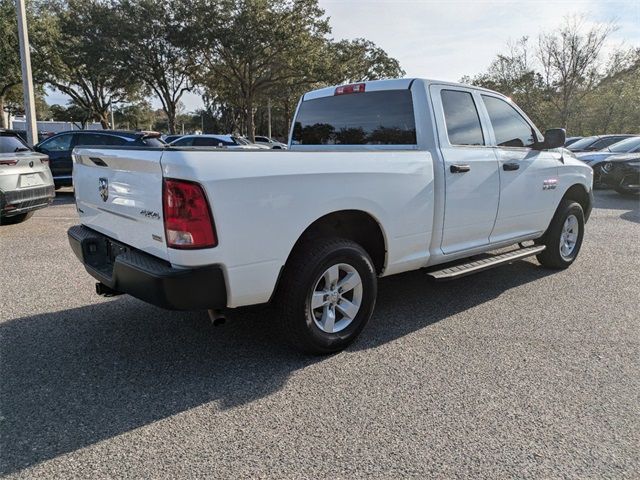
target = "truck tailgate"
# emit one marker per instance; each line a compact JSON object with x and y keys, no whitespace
{"x":119,"y":193}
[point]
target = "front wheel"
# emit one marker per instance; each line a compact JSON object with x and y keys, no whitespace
{"x":563,"y":238}
{"x":327,"y":295}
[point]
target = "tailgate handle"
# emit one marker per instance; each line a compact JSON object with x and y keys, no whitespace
{"x":98,"y":161}
{"x":459,"y":168}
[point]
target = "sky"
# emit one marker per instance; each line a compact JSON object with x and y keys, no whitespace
{"x":446,"y":40}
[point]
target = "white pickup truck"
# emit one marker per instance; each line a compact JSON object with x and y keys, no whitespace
{"x":380,"y":178}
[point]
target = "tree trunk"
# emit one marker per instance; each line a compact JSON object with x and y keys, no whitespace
{"x":104,"y":120}
{"x":171,"y":119}
{"x":2,"y":124}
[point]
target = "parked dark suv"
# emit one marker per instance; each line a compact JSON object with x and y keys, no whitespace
{"x":59,"y":147}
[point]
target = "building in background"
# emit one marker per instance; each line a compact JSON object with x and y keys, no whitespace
{"x":50,"y":126}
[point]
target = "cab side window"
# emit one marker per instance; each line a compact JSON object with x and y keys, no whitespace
{"x":509,"y":127}
{"x":183,"y":142}
{"x":96,"y":139}
{"x":461,"y":117}
{"x":207,"y":142}
{"x":57,"y":144}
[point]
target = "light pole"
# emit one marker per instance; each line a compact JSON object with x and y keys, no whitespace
{"x":269,"y":115}
{"x":27,"y":79}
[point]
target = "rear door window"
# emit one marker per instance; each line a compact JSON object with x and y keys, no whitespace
{"x":606,"y":142}
{"x":183,"y":142}
{"x":461,"y":117}
{"x":509,"y":127}
{"x":11,"y":144}
{"x":60,"y":143}
{"x":97,"y":139}
{"x":372,"y":118}
{"x":209,"y":142}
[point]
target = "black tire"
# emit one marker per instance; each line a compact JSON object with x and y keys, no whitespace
{"x":625,"y":192}
{"x":551,"y":257}
{"x":16,"y":219}
{"x":301,"y":275}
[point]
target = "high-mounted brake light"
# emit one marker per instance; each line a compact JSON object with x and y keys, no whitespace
{"x":188,"y":222}
{"x":353,"y":88}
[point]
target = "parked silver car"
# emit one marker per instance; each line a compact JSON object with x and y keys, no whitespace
{"x":26,"y":183}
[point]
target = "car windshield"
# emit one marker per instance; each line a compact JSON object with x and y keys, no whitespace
{"x":582,"y":143}
{"x":153,"y":142}
{"x":241,"y":141}
{"x":624,"y":146}
{"x":12,"y":144}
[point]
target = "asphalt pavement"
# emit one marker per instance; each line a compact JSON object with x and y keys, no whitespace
{"x":514,"y":372}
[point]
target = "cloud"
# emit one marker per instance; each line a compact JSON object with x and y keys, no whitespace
{"x":448,"y":39}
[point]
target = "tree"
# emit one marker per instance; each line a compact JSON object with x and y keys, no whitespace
{"x":513,"y":74}
{"x":73,"y":113}
{"x":613,"y":105}
{"x":41,"y":32}
{"x":570,"y":63}
{"x":14,"y":102}
{"x":251,"y":46}
{"x":150,"y":48}
{"x":84,"y":64}
{"x":361,"y":60}
{"x":136,"y":116}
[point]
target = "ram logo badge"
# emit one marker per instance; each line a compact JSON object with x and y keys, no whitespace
{"x":103,"y":188}
{"x":550,"y":184}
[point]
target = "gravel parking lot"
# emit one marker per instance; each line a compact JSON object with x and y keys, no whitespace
{"x":515,"y":372}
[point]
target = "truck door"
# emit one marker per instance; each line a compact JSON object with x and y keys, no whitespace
{"x":528,"y":178}
{"x":472,"y":182}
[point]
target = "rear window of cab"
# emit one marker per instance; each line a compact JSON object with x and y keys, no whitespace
{"x":372,"y":118}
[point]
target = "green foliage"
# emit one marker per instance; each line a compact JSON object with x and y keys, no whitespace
{"x":152,"y":48}
{"x":250,"y":51}
{"x":41,"y":32}
{"x":84,"y":62}
{"x":562,"y":83}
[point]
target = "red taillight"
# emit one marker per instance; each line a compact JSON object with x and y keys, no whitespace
{"x":354,"y":88}
{"x":8,"y":162}
{"x":187,"y":218}
{"x":44,"y":159}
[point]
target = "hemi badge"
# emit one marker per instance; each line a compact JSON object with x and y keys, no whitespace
{"x":157,"y":238}
{"x":550,"y":184}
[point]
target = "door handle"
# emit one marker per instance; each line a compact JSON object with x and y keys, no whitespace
{"x":459,"y":168}
{"x":509,"y":167}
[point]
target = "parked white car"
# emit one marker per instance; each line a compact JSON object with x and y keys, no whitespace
{"x":380,"y":178}
{"x":26,"y":184}
{"x":270,"y":142}
{"x":207,"y":140}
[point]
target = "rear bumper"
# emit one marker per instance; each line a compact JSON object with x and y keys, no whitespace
{"x":16,"y":202}
{"x":153,"y":280}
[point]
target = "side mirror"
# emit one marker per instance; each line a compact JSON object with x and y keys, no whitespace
{"x":553,"y":138}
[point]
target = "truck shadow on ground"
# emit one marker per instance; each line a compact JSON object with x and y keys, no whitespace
{"x":64,"y":196}
{"x":611,"y":200}
{"x":73,"y":378}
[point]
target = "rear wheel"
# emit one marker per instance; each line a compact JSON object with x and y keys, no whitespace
{"x":327,"y":295}
{"x":563,"y":238}
{"x":16,"y":218}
